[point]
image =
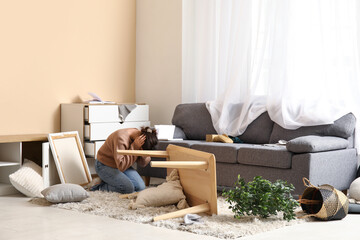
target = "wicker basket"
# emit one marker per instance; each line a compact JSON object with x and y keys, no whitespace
{"x":324,"y":202}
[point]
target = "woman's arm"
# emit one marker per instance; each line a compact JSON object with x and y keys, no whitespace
{"x":143,"y":161}
{"x":123,"y":162}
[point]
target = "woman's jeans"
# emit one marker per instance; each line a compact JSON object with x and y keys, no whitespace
{"x":114,"y":180}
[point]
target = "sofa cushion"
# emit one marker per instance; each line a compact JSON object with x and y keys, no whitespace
{"x":343,"y":127}
{"x":224,"y":152}
{"x":28,"y":179}
{"x":310,"y":143}
{"x":351,"y":142}
{"x":179,"y":133}
{"x":65,"y":192}
{"x":267,"y":156}
{"x":259,"y":131}
{"x":194,"y":119}
{"x":162,"y":145}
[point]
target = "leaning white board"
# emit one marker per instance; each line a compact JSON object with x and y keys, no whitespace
{"x":69,"y":158}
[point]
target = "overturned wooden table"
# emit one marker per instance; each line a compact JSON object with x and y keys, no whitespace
{"x":197,"y":171}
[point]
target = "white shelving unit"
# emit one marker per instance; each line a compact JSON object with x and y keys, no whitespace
{"x":5,"y":164}
{"x":11,"y":157}
{"x":10,"y":161}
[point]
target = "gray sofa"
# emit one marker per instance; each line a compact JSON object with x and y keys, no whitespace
{"x":324,"y":154}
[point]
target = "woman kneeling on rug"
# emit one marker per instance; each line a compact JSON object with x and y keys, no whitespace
{"x":115,"y":170}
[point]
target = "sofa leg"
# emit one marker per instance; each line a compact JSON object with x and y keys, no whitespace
{"x":146,"y":180}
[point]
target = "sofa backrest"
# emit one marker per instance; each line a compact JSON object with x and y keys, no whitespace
{"x":343,"y":127}
{"x":194,"y":119}
{"x":259,"y":131}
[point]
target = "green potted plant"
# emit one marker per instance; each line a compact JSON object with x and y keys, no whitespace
{"x":261,"y":197}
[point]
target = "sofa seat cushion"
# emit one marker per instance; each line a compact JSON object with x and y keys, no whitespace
{"x":264,"y":155}
{"x":224,"y":152}
{"x":162,"y":145}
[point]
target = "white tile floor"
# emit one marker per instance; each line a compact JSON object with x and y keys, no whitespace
{"x":20,"y":220}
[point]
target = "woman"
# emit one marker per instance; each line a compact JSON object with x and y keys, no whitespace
{"x":115,"y":170}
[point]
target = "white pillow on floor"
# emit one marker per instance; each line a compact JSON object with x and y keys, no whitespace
{"x":28,"y":179}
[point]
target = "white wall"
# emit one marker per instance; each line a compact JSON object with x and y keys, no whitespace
{"x":158,"y":57}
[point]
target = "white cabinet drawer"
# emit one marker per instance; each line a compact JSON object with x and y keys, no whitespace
{"x":101,"y":113}
{"x":139,"y":114}
{"x":100,"y":131}
{"x":110,"y":113}
{"x":91,"y":148}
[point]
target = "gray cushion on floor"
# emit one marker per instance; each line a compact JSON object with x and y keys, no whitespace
{"x":259,"y":131}
{"x":224,"y":152}
{"x":194,"y":119}
{"x":343,"y":127}
{"x":267,"y":156}
{"x":65,"y":192}
{"x":316,"y":144}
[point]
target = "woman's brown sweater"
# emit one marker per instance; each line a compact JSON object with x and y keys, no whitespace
{"x":120,"y":139}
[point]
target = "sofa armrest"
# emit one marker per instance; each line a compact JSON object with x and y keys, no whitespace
{"x":311,"y":144}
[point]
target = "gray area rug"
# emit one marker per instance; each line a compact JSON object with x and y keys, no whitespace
{"x":223,"y":225}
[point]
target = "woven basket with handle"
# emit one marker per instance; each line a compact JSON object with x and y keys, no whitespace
{"x":324,"y":202}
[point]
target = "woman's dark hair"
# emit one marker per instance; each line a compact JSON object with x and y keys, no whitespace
{"x":151,"y":138}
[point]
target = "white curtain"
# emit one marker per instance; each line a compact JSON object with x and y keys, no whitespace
{"x":199,"y":51}
{"x":296,"y":59}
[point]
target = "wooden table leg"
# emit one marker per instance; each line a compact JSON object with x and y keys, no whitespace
{"x":196,"y":209}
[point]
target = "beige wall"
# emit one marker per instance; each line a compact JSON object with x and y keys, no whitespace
{"x":54,"y":52}
{"x":158,"y":57}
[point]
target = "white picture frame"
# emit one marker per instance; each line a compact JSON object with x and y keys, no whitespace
{"x":69,"y":158}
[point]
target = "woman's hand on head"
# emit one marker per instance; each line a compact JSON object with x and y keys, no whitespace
{"x":139,"y":141}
